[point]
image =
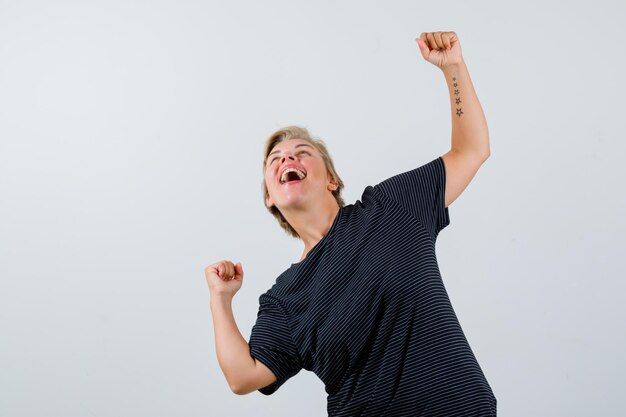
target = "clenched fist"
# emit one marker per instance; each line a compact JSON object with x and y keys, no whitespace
{"x":440,"y":48}
{"x":224,"y":278}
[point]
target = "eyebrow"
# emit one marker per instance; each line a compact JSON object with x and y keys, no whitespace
{"x":298,"y":145}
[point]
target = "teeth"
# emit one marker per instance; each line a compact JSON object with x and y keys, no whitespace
{"x":297,"y":171}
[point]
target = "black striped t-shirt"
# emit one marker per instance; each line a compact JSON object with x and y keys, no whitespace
{"x":367,"y":312}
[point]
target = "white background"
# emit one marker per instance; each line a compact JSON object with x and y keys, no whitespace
{"x":131,"y":139}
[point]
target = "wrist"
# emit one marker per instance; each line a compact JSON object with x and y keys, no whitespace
{"x":450,"y":68}
{"x":221,"y":299}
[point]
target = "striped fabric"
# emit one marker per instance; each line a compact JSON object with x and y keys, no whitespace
{"x":368,"y":313}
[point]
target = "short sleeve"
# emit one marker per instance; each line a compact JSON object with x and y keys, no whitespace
{"x":271,"y":343}
{"x":421,"y":191}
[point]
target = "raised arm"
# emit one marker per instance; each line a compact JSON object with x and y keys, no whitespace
{"x":470,"y":134}
{"x":243,"y":373}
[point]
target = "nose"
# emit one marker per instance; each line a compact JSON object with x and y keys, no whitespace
{"x":286,"y":156}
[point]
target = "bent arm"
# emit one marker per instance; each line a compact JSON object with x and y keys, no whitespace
{"x":470,"y":134}
{"x":233,"y":352}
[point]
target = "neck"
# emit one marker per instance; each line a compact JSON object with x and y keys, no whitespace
{"x":313,"y":223}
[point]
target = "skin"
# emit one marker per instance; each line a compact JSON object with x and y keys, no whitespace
{"x":308,"y":205}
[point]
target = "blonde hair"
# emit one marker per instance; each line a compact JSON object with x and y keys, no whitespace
{"x":297,"y":132}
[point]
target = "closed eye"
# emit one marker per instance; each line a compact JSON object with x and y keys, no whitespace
{"x":275,"y":158}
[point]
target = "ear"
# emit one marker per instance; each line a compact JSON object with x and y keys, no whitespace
{"x":268,"y":201}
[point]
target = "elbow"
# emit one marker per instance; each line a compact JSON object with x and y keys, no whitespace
{"x":237,"y":390}
{"x":245,"y":381}
{"x":485,"y":154}
{"x":235,"y":386}
{"x":240,"y":389}
{"x":239,"y":380}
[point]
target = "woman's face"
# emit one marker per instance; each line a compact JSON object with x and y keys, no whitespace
{"x":295,"y":192}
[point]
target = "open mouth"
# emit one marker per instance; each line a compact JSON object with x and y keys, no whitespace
{"x":292,"y":176}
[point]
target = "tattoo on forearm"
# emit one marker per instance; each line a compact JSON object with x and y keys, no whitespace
{"x":459,"y":112}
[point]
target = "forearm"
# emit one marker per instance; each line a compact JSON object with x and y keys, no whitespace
{"x":233,"y":351}
{"x":469,"y":126}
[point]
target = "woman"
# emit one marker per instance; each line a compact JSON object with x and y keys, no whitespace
{"x":364,"y":308}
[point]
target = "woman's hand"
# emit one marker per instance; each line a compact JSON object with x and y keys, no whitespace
{"x":441,"y":49}
{"x":224,"y":278}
